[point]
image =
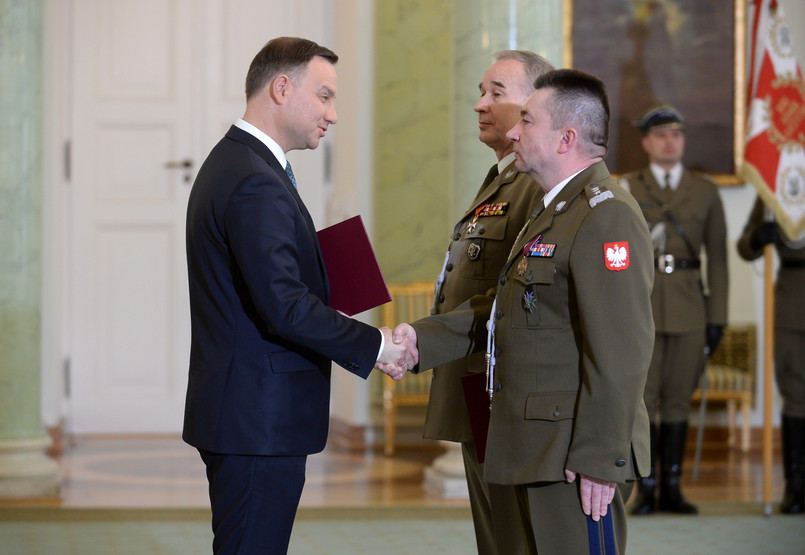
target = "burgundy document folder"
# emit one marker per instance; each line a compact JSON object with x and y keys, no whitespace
{"x":356,"y":283}
{"x":477,"y":400}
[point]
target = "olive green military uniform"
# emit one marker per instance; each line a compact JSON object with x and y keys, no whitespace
{"x":789,"y":324}
{"x":681,"y":221}
{"x":680,"y":306}
{"x":574,"y":336}
{"x":789,"y":351}
{"x":480,"y":245}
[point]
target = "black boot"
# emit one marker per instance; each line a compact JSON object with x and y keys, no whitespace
{"x":672,"y":450}
{"x":793,"y":431}
{"x":644,"y":502}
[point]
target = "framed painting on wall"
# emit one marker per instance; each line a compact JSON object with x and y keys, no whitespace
{"x":686,"y":53}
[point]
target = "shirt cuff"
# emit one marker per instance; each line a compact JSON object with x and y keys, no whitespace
{"x":382,"y":344}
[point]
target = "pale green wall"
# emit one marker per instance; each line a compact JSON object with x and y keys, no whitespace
{"x":412,"y":131}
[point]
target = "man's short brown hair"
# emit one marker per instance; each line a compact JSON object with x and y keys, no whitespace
{"x":288,"y":55}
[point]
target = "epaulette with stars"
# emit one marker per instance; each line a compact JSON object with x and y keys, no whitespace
{"x":596,"y":194}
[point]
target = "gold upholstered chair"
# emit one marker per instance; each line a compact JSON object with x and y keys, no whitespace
{"x":730,"y":376}
{"x":409,"y":302}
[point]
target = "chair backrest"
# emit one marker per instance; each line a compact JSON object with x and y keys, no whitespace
{"x":738,"y":348}
{"x":409,"y":302}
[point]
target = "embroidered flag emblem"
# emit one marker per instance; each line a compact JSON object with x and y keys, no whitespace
{"x":616,"y":256}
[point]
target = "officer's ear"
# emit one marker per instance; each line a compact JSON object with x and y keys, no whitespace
{"x":568,"y":139}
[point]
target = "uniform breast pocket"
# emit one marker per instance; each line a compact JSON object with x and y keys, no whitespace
{"x":486,"y":248}
{"x":538,"y":299}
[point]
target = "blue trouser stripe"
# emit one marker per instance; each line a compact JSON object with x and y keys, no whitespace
{"x":595,"y":537}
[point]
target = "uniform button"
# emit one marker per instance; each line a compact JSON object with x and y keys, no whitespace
{"x":498,"y":387}
{"x":481,"y":231}
{"x":499,"y":314}
{"x":456,"y":236}
{"x":441,"y":298}
{"x":503,"y":280}
{"x":449,"y":266}
{"x":556,"y":413}
{"x":620,"y":462}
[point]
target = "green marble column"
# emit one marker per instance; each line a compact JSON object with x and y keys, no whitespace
{"x":25,"y":470}
{"x":481,"y":28}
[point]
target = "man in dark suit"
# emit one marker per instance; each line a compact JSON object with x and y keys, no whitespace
{"x":263,"y":336}
{"x":570,"y":331}
{"x":480,"y":244}
{"x":684,"y":212}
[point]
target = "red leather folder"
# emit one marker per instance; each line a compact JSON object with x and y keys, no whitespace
{"x":356,"y":283}
{"x":477,"y":400}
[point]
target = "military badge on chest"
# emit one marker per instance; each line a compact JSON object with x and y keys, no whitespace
{"x":474,"y":251}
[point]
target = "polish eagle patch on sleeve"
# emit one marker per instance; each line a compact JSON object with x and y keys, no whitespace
{"x":616,"y":256}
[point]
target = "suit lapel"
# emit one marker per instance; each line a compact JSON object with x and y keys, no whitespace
{"x":653,"y":189}
{"x":237,"y":134}
{"x":685,"y":189}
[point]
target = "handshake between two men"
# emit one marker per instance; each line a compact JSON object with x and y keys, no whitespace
{"x":400,"y":353}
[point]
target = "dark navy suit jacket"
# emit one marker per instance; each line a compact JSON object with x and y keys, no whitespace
{"x":263,"y":336}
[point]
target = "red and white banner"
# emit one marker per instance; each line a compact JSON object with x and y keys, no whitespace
{"x":774,"y":155}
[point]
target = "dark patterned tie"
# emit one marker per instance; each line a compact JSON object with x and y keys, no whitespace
{"x":289,"y":171}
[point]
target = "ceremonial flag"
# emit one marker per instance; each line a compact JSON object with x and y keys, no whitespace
{"x":774,"y":155}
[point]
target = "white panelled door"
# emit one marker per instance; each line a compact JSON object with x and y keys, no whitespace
{"x":151,"y":94}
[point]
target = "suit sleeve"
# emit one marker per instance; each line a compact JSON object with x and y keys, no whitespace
{"x":617,"y":335}
{"x":277,"y":257}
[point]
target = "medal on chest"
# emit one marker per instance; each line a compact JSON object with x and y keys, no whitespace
{"x":529,"y":300}
{"x":534,"y":248}
{"x":489,"y":209}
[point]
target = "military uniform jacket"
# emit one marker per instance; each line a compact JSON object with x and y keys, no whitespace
{"x":480,"y":245}
{"x":574,"y":337}
{"x":789,"y":289}
{"x":678,"y":299}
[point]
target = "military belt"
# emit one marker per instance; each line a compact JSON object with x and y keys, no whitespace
{"x":668,"y":263}
{"x":793,"y":264}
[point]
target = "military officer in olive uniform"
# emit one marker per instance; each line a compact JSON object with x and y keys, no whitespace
{"x":481,"y":243}
{"x":789,"y":344}
{"x":684,"y":213}
{"x":570,"y":335}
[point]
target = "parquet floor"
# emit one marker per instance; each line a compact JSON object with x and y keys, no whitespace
{"x":164,"y":472}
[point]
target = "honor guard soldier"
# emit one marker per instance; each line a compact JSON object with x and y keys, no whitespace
{"x":685,"y":215}
{"x":789,"y":344}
